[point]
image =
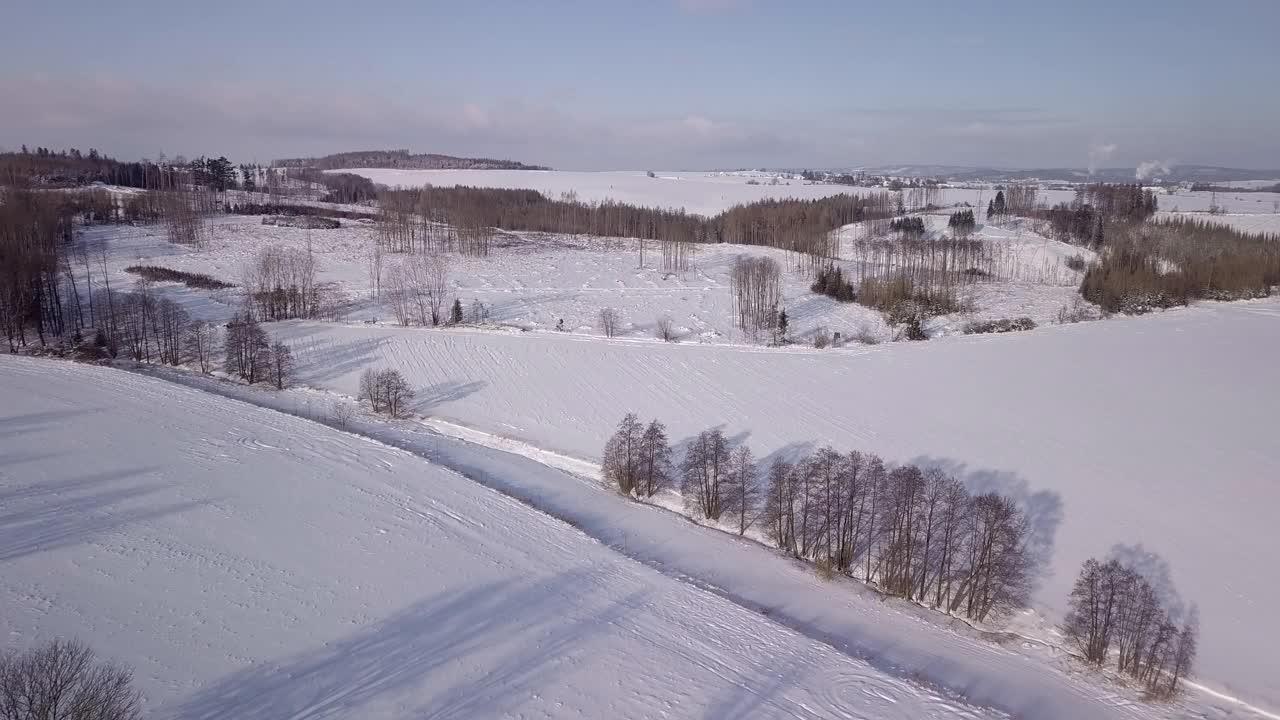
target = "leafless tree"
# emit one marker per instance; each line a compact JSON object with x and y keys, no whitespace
{"x":342,"y":413}
{"x":201,"y":339}
{"x":741,"y":488}
{"x":281,"y":365}
{"x":386,"y":390}
{"x":703,"y":471}
{"x":655,"y":460}
{"x":247,"y":350}
{"x":64,"y":681}
{"x":665,"y":329}
{"x":622,"y":462}
{"x":609,"y":322}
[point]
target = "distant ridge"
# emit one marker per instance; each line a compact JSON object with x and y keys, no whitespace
{"x":1153,"y":172}
{"x":403,"y":159}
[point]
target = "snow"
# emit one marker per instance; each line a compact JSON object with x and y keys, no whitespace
{"x":249,"y":564}
{"x":1251,"y":223}
{"x":703,"y":193}
{"x":1153,"y":430}
{"x":532,"y":281}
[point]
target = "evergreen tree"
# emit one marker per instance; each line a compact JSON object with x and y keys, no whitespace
{"x":782,"y":326}
{"x":455,"y":314}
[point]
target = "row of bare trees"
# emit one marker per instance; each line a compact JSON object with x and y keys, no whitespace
{"x":1117,"y":614}
{"x":911,"y":532}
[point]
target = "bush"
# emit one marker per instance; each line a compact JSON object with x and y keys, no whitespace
{"x":831,"y":282}
{"x":901,"y":299}
{"x":155,"y":273}
{"x":1076,"y":262}
{"x":1002,"y":325}
{"x":821,"y":338}
{"x":665,"y":329}
{"x":63,"y":681}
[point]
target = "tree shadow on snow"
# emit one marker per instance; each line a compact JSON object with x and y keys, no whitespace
{"x":448,"y":391}
{"x":60,"y":514}
{"x":478,"y":652}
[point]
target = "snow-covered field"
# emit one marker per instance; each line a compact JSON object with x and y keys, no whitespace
{"x":533,"y":282}
{"x":1268,"y":224}
{"x":703,"y":193}
{"x":1155,"y":431}
{"x":1130,"y":436}
{"x":318,"y":574}
{"x":252,"y":565}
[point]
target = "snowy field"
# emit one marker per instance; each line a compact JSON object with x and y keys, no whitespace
{"x":1136,"y":431}
{"x":703,"y":193}
{"x":532,"y":282}
{"x":1268,"y":224}
{"x":448,"y":600}
{"x":254,"y":566}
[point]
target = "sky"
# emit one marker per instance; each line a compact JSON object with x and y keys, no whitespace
{"x":662,"y":84}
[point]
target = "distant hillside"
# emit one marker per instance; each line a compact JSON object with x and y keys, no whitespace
{"x":403,"y":159}
{"x":1146,"y":171}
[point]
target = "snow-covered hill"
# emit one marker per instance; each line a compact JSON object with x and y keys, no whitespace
{"x":251,"y":565}
{"x":1154,"y":431}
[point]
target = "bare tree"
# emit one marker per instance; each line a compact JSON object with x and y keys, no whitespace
{"x":655,"y":459}
{"x":741,"y":487}
{"x":342,"y":413}
{"x":609,"y":322}
{"x":665,"y":329}
{"x":64,"y":681}
{"x":281,"y":365}
{"x":247,"y":350}
{"x":703,"y":470}
{"x":386,"y":390}
{"x":202,"y":338}
{"x":622,"y":456}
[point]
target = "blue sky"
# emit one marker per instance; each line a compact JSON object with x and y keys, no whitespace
{"x":660,"y":83}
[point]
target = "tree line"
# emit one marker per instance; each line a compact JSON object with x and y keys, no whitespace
{"x":402,"y":159}
{"x":909,"y":532}
{"x":1173,"y":262}
{"x":433,"y":219}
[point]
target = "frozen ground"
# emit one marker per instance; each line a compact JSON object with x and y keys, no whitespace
{"x":253,"y":565}
{"x":1155,"y":431}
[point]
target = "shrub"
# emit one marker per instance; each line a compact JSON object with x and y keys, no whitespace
{"x":900,"y":298}
{"x":832,"y":283}
{"x":1075,"y":262}
{"x":821,"y":338}
{"x":1002,"y":325}
{"x":665,"y":329}
{"x":155,"y":273}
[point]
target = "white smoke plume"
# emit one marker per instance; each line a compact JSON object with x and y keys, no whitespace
{"x":1148,"y":170}
{"x":1098,"y":154}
